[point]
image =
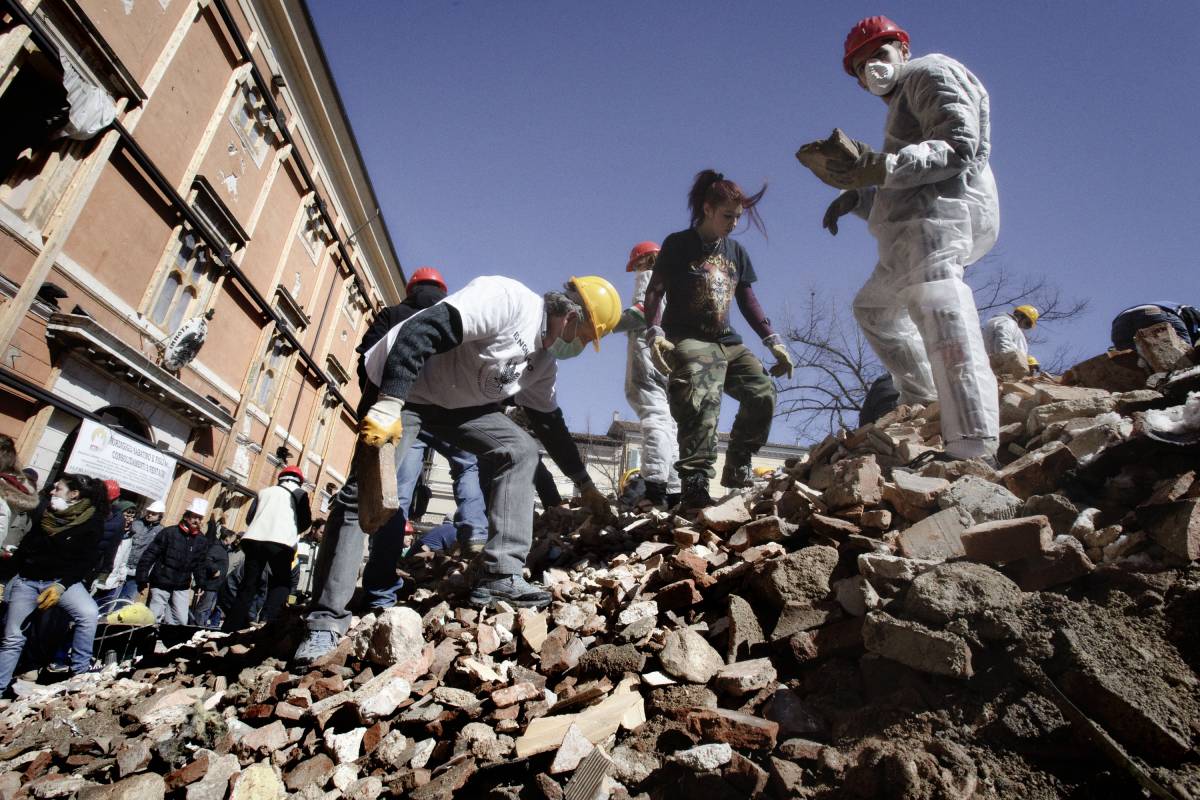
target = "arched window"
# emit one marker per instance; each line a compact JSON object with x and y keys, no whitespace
{"x":268,"y":373}
{"x":188,"y":281}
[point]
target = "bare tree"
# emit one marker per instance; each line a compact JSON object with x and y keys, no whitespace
{"x":835,"y":365}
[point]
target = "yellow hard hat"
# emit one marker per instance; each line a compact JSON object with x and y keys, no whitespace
{"x":625,"y":478}
{"x":132,"y":614}
{"x":601,"y":303}
{"x":1030,"y":313}
{"x":763,"y":472}
{"x":1033,"y":362}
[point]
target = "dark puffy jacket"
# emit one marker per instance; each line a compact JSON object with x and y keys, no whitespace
{"x":67,"y":557}
{"x":214,"y":569}
{"x":422,"y":296}
{"x":110,"y":542}
{"x":173,"y":560}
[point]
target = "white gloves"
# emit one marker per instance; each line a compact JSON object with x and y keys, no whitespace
{"x":783,"y":357}
{"x":382,"y":422}
{"x":662,"y":351}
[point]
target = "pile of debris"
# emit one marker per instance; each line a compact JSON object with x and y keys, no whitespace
{"x":849,"y":627}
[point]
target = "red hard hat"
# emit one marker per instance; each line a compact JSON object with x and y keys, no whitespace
{"x":870,"y":32}
{"x":640,"y":249}
{"x":113,"y":489}
{"x":293,"y":471}
{"x":426,"y":275}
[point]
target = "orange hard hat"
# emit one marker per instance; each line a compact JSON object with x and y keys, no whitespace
{"x":425,"y":275}
{"x":640,"y":249}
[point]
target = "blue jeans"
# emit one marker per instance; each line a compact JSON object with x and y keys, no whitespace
{"x":380,"y":581}
{"x":1132,"y":320}
{"x":21,"y":594}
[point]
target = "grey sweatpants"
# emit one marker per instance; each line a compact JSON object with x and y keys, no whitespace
{"x":505,"y":451}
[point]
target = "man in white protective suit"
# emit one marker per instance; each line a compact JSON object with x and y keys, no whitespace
{"x":1005,"y":333}
{"x":930,"y":201}
{"x":646,"y":389}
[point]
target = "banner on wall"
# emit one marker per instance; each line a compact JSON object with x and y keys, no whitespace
{"x":106,"y":454}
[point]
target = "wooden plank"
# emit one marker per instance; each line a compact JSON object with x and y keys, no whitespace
{"x":624,"y":709}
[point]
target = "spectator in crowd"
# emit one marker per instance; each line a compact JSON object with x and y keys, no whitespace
{"x":172,"y":561}
{"x":145,"y":530}
{"x":113,"y":567}
{"x":278,"y":515}
{"x":17,"y":496}
{"x":53,"y":561}
{"x":212,"y":575}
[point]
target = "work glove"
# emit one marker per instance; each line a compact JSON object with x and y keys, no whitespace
{"x":842,"y":205}
{"x":869,"y":169}
{"x":49,"y":597}
{"x":382,"y":422}
{"x":594,"y":502}
{"x":662,"y":351}
{"x":783,"y":357}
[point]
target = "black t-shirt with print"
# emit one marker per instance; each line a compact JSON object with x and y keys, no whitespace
{"x":700,"y":282}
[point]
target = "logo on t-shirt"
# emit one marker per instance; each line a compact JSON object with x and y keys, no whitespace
{"x":494,"y":380}
{"x":714,"y":293}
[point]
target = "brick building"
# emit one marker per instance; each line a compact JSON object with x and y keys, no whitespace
{"x":228,"y":182}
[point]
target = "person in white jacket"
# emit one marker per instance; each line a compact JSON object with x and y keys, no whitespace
{"x":930,"y":200}
{"x":1005,"y":333}
{"x":646,"y":389}
{"x":278,"y":515}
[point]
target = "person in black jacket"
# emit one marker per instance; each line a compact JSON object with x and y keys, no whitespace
{"x":172,"y":561}
{"x":53,"y":560}
{"x":212,"y":574}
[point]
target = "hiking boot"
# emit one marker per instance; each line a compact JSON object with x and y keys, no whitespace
{"x":695,"y":492}
{"x":512,"y":589}
{"x":737,"y":476}
{"x":316,"y":644}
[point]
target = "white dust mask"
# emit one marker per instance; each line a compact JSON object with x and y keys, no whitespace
{"x":881,"y":76}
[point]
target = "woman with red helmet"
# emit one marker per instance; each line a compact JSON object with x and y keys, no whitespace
{"x":930,"y":200}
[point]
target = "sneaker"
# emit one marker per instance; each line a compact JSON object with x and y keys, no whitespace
{"x":57,"y":668}
{"x":512,"y":589}
{"x":695,"y":492}
{"x":315,"y":645}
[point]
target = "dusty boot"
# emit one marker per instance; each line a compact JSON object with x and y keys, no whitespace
{"x":695,"y":492}
{"x":737,"y":474}
{"x":656,"y":495}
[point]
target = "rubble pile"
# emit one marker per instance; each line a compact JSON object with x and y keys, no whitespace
{"x":851,"y":626}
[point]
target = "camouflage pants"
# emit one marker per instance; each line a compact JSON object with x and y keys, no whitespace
{"x":702,"y":371}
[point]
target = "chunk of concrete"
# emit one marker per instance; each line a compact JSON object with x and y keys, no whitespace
{"x":916,"y":646}
{"x":961,"y":589}
{"x":983,"y":500}
{"x":1007,"y":540}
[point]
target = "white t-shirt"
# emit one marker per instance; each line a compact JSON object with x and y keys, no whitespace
{"x":500,"y":355}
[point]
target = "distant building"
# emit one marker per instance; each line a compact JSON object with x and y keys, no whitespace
{"x":231,"y":183}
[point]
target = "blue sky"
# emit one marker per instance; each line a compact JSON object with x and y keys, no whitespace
{"x":543,"y":139}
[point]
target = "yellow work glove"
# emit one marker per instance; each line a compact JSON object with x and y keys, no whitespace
{"x":594,"y":502}
{"x":49,"y":597}
{"x":783,"y":357}
{"x":662,"y":351}
{"x":382,"y":422}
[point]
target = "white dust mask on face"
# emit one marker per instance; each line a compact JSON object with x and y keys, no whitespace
{"x":881,"y":76}
{"x":560,"y":348}
{"x":58,"y":503}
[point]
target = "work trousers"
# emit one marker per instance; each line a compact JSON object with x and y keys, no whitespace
{"x":702,"y":371}
{"x":387,"y":544}
{"x":170,"y":606}
{"x":260,"y":555}
{"x":506,"y":452}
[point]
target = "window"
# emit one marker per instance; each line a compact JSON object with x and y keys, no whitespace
{"x":252,"y":121}
{"x":317,"y":441}
{"x":35,"y":166}
{"x":314,"y":233}
{"x":269,"y":371}
{"x":185,"y":287}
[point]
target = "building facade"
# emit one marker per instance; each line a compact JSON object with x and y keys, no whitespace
{"x":171,"y":166}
